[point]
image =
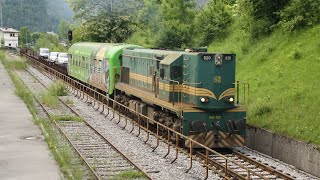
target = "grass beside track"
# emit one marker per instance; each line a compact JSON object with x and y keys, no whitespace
{"x":68,"y":118}
{"x":49,"y":100}
{"x":129,"y":175}
{"x":50,"y":96}
{"x":62,"y":153}
{"x":283,"y":73}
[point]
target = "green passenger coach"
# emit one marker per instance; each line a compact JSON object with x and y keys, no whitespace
{"x":96,"y":63}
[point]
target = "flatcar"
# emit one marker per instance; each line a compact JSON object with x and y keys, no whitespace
{"x":191,"y":92}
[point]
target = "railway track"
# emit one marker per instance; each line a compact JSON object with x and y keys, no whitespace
{"x":259,"y":169}
{"x":228,"y":166}
{"x":101,"y":157}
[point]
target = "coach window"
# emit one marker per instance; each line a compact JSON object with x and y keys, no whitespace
{"x":82,"y":62}
{"x":70,"y":59}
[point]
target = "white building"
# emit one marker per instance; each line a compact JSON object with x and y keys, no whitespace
{"x":9,"y":36}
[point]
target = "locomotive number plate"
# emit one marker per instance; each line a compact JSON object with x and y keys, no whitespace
{"x":207,"y":58}
{"x":217,"y":79}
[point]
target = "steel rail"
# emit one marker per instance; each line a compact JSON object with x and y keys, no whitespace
{"x":227,"y":174}
{"x":92,"y":128}
{"x":96,"y":176}
{"x":262,"y":166}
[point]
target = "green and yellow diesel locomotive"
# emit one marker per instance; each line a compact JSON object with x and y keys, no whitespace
{"x":191,"y":92}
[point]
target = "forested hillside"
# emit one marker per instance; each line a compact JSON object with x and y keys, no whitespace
{"x":38,"y":15}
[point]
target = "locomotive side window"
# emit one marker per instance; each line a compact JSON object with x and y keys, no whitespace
{"x":176,"y":72}
{"x":162,"y":73}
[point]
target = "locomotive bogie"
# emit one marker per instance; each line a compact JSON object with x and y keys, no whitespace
{"x":216,"y":130}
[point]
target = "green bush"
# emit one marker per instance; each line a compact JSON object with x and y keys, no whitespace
{"x":212,"y":22}
{"x":261,"y":27}
{"x":173,"y":37}
{"x":166,"y":24}
{"x":18,"y":64}
{"x":58,"y":89}
{"x":259,"y":17}
{"x":296,"y":55}
{"x":49,"y":100}
{"x":50,"y":97}
{"x":299,"y":14}
{"x":261,"y":110}
{"x":49,"y":41}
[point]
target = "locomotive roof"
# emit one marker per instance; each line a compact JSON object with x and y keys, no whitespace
{"x":165,"y":57}
{"x":167,"y":52}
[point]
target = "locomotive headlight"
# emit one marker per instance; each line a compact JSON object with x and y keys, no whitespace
{"x":230,"y":99}
{"x":218,"y":59}
{"x":204,"y":99}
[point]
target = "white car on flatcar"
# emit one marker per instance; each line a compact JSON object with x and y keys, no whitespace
{"x":62,"y":58}
{"x":44,"y":53}
{"x":53,"y":57}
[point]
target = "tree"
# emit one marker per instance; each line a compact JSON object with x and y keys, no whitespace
{"x":63,"y":28}
{"x":25,"y":37}
{"x":177,"y":26}
{"x":260,"y":15}
{"x":212,"y":22}
{"x":147,"y":24}
{"x":49,"y":41}
{"x":35,"y":36}
{"x":165,"y":24}
{"x":299,"y":14}
{"x":104,"y":20}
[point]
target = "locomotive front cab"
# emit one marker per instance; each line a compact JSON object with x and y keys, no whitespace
{"x":209,"y":85}
{"x":209,"y":81}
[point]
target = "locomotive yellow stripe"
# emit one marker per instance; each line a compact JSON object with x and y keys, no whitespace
{"x":228,"y":92}
{"x":177,"y":107}
{"x":176,"y":88}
